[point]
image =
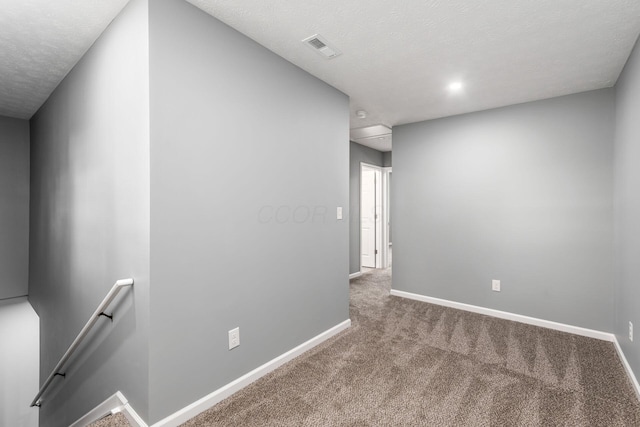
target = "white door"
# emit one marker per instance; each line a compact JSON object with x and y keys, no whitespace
{"x":368,"y":218}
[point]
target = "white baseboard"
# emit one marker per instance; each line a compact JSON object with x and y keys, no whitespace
{"x":605,"y":336}
{"x":627,"y":367}
{"x":132,"y":416}
{"x":100,"y":411}
{"x":113,"y":404}
{"x":222,"y":393}
{"x":354,"y":275}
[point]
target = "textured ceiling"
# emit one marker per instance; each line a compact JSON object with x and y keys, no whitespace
{"x":40,"y":41}
{"x":398,"y":57}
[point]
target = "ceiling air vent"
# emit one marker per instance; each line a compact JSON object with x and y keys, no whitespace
{"x":320,"y":45}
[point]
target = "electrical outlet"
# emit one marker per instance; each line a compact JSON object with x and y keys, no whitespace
{"x":339,"y":212}
{"x":630,"y":331}
{"x":234,"y":338}
{"x":495,"y":285}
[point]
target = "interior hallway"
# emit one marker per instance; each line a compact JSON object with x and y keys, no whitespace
{"x":405,"y":362}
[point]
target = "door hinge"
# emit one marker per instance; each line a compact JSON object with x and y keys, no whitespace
{"x":376,"y":252}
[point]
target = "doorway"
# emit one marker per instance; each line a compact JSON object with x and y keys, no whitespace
{"x":374,"y":216}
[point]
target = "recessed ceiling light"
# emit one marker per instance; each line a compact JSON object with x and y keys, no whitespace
{"x":361,"y":114}
{"x":455,"y":87}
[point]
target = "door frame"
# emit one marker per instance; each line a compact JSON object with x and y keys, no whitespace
{"x":381,"y":212}
{"x":386,"y":216}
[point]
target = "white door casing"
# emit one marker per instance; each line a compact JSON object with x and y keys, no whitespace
{"x":371,"y":216}
{"x":386,"y":216}
{"x":367,"y":217}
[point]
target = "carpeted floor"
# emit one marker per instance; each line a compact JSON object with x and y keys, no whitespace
{"x":115,"y":420}
{"x":410,"y":363}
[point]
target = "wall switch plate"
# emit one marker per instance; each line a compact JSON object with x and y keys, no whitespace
{"x":339,"y":212}
{"x":234,"y":338}
{"x":630,"y":331}
{"x":495,"y":285}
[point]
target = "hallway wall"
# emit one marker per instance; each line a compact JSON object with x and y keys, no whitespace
{"x":90,"y":221}
{"x":249,"y":160}
{"x":387,"y":159}
{"x":522,"y":194}
{"x":14,"y":202}
{"x":19,"y":360}
{"x":627,"y":205}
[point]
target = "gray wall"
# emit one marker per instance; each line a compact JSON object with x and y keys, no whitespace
{"x":90,"y":221}
{"x":387,"y":157}
{"x":627,"y":208}
{"x":249,"y":160}
{"x":19,"y":361}
{"x":522,"y":194}
{"x":357,"y":154}
{"x":14,"y":207}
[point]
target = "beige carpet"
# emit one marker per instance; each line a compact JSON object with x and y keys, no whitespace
{"x":410,"y":363}
{"x":115,"y":420}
